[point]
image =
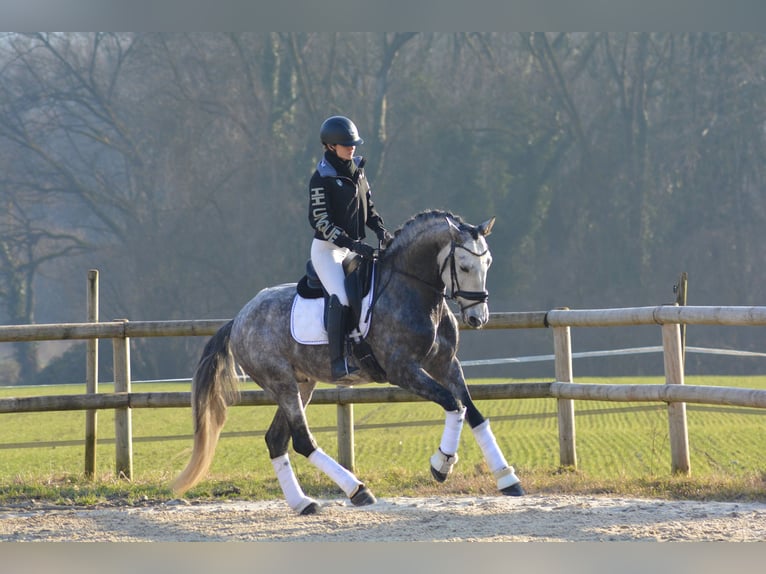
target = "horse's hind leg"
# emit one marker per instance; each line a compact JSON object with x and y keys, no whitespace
{"x":290,"y":421}
{"x":277,"y":439}
{"x":357,"y":492}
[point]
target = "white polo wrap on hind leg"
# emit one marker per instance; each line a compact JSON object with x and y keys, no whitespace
{"x":503,"y":473}
{"x":446,"y":457}
{"x":341,"y":476}
{"x":293,"y":492}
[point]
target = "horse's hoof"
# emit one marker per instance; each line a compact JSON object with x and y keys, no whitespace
{"x":363,"y":497}
{"x":513,"y":490}
{"x":312,"y":508}
{"x":439,"y":476}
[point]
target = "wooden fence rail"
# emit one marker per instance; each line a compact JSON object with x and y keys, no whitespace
{"x":702,"y":394}
{"x":563,"y":389}
{"x":661,"y":315}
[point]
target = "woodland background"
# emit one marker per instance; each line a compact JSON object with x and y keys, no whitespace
{"x":178,"y":164}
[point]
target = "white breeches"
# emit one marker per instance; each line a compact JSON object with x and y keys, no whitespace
{"x":327,"y":259}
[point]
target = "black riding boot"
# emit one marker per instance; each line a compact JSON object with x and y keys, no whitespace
{"x":337,"y":318}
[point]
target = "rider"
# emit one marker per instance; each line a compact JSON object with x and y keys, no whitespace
{"x":340,"y":205}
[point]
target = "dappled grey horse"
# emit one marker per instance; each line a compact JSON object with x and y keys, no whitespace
{"x":413,"y":334}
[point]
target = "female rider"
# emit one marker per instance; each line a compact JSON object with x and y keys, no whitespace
{"x":340,"y":206}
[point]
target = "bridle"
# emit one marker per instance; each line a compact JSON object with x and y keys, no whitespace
{"x":477,"y":297}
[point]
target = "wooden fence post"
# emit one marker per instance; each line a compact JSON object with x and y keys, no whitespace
{"x":123,"y":432}
{"x":681,"y":289}
{"x":674,"y":375}
{"x":345,"y":414}
{"x":562,"y":349}
{"x":91,"y":377}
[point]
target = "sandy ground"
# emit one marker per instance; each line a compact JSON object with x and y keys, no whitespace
{"x":540,"y":518}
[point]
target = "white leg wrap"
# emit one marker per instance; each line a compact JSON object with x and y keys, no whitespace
{"x":442,"y":462}
{"x":341,"y":476}
{"x":506,"y":477}
{"x":504,"y":474}
{"x":453,"y":426}
{"x":293,"y":492}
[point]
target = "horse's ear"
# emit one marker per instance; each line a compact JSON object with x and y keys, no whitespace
{"x":486,"y":227}
{"x":453,"y":227}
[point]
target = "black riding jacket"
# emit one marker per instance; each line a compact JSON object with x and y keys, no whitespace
{"x":340,"y":206}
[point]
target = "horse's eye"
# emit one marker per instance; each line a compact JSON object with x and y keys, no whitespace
{"x":465,"y":268}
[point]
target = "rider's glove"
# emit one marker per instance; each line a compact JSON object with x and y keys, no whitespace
{"x":385,"y":238}
{"x":363,"y":249}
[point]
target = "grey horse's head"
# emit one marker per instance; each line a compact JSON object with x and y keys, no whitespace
{"x":464,"y":264}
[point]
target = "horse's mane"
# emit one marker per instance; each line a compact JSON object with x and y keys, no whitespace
{"x":415,"y":225}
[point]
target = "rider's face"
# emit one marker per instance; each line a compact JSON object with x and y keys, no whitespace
{"x":344,"y":151}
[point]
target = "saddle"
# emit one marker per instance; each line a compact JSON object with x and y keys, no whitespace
{"x":359,"y":283}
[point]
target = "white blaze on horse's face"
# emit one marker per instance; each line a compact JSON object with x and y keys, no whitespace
{"x":464,"y":265}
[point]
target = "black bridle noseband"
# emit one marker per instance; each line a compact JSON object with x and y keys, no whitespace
{"x":477,"y":297}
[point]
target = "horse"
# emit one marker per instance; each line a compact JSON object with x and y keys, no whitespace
{"x":433,"y":257}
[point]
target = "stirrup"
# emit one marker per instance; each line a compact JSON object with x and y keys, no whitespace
{"x":340,"y":369}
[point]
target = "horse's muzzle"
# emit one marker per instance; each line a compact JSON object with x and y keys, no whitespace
{"x":476,"y":317}
{"x":474,"y":322}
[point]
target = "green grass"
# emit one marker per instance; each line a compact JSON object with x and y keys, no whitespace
{"x":622,"y":449}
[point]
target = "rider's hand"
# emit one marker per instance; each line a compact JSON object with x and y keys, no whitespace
{"x":385,"y":239}
{"x":364,"y":250}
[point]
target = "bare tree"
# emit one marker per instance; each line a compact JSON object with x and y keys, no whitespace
{"x":27,"y":243}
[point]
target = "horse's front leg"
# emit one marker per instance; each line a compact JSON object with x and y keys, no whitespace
{"x":409,"y":375}
{"x":505,"y":475}
{"x":445,"y":458}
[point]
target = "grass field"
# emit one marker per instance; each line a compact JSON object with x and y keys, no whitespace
{"x":621,"y":448}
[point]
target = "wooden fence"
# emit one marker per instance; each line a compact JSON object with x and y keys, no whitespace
{"x":669,"y":319}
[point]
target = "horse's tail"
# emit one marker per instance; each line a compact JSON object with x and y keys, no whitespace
{"x":215,"y":386}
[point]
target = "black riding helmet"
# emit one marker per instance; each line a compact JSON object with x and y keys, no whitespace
{"x":339,"y":130}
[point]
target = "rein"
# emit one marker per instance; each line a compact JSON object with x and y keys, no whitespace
{"x":395,"y":269}
{"x":439,"y":291}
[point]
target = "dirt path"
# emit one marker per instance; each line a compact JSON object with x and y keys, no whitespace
{"x":540,"y":518}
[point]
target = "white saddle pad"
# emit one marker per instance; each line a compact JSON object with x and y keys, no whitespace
{"x":307,"y":319}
